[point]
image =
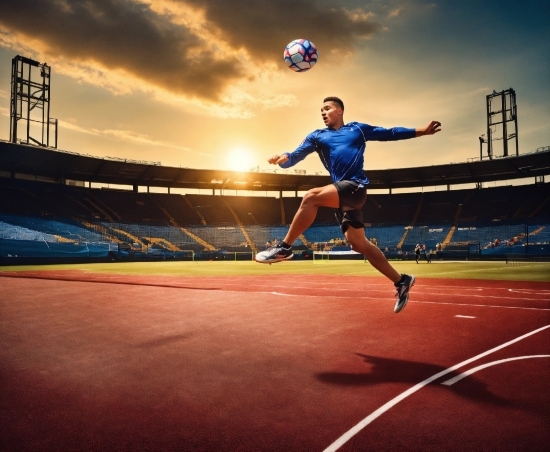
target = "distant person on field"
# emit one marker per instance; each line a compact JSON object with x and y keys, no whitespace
{"x":341,"y":149}
{"x":417,"y":252}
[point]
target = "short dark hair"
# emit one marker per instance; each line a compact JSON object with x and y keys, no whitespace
{"x":334,"y":99}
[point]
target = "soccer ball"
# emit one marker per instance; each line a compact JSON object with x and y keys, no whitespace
{"x":300,"y":55}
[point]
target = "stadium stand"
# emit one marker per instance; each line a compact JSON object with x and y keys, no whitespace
{"x":388,"y":209}
{"x":128,"y":207}
{"x":261,"y":235}
{"x":39,"y":213}
{"x":178,"y":208}
{"x":60,"y":229}
{"x":499,"y":204}
{"x":425,"y":235}
{"x":14,"y":232}
{"x":212,"y":209}
{"x":441,"y":207}
{"x":256,"y":210}
{"x":229,"y":238}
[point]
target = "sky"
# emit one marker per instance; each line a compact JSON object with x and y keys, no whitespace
{"x":203,"y":84}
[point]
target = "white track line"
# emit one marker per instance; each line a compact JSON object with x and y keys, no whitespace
{"x":385,"y":299}
{"x":423,"y":292}
{"x":481,"y":305}
{"x":375,"y":414}
{"x":453,"y":380}
{"x":426,"y":290}
{"x":542,"y":291}
{"x":484,"y":296}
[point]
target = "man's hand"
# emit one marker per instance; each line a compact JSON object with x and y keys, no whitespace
{"x":430,"y":129}
{"x":276,"y":159}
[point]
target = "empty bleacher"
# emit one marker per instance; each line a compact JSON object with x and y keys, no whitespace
{"x":500,"y":203}
{"x":66,"y":229}
{"x":388,"y":209}
{"x":39,"y":198}
{"x":41,"y":211}
{"x":128,"y":207}
{"x":262,"y":234}
{"x":539,"y":234}
{"x":15,"y":232}
{"x":386,"y":236}
{"x":177,"y":207}
{"x":535,"y":201}
{"x":229,"y":238}
{"x":427,"y":235}
{"x":440,"y":207}
{"x":323,"y":234}
{"x":256,"y":210}
{"x":212,"y":208}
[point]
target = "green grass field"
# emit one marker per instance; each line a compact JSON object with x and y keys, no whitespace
{"x":460,"y":270}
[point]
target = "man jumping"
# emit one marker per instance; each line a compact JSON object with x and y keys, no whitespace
{"x":341,"y":149}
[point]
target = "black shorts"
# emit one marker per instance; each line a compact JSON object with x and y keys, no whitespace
{"x":352,"y":197}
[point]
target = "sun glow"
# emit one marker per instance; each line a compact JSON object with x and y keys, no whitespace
{"x":239,"y":160}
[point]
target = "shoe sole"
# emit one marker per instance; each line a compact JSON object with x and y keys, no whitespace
{"x":407,"y":300}
{"x":273,"y":261}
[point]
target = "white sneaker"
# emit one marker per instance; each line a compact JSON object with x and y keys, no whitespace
{"x":274,"y":254}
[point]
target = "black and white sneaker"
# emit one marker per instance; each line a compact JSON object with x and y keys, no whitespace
{"x":273,"y":254}
{"x":402,"y":292}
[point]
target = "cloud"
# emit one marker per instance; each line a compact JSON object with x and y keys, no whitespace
{"x":264,"y":27}
{"x":197,"y":50}
{"x":395,"y":12}
{"x":123,"y":135}
{"x":122,"y":36}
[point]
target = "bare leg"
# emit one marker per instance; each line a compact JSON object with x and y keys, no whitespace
{"x":326,"y":196}
{"x":359,"y":243}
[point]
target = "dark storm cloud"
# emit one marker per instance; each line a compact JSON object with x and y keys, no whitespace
{"x":121,"y":34}
{"x":264,"y":27}
{"x":124,"y":34}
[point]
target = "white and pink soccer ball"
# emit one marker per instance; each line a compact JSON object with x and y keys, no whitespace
{"x":301,"y":55}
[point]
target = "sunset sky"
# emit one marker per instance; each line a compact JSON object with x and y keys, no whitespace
{"x":202,"y":83}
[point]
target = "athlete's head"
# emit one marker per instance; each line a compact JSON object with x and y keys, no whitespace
{"x":332,"y":112}
{"x":335,"y":100}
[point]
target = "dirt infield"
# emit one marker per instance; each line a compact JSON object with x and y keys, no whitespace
{"x":96,"y":361}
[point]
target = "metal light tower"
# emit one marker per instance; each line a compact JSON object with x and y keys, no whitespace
{"x":502,"y":111}
{"x":30,"y":103}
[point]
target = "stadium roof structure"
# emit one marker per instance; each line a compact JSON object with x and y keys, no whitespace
{"x":62,"y":165}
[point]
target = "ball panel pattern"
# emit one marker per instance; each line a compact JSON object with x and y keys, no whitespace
{"x":300,"y":55}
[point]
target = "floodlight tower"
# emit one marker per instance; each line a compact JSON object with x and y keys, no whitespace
{"x":502,"y":112}
{"x":30,"y":103}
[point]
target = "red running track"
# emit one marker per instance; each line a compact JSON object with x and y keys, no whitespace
{"x":294,"y":363}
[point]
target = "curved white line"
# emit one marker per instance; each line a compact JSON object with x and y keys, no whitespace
{"x":375,"y":414}
{"x":453,"y":380}
{"x":529,"y":291}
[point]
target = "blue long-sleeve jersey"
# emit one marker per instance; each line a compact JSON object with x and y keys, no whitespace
{"x":342,"y":151}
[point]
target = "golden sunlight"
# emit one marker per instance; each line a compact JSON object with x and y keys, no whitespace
{"x":239,"y":160}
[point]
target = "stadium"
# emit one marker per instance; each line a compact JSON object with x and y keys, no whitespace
{"x":134,"y":317}
{"x":51,"y":215}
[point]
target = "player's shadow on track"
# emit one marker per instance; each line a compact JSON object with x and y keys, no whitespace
{"x":386,"y":370}
{"x":112,"y":280}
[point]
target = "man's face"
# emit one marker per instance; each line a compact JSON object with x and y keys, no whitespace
{"x":331,"y":113}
